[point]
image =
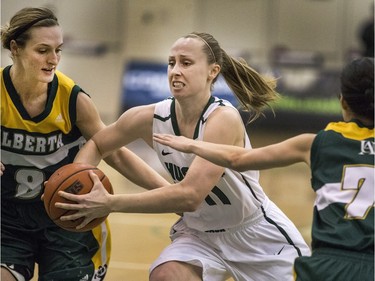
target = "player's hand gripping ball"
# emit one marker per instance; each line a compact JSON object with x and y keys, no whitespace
{"x":72,"y":178}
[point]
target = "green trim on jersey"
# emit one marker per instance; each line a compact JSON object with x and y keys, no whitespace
{"x":176,"y":129}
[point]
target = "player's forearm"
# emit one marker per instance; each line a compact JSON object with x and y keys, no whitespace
{"x":168,"y":199}
{"x":222,"y":155}
{"x":89,"y":154}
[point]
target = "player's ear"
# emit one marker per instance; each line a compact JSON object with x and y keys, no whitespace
{"x":214,"y":71}
{"x":343,"y":103}
{"x":13,"y":47}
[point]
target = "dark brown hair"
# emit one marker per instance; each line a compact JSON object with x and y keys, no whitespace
{"x":357,"y":86}
{"x":26,"y":18}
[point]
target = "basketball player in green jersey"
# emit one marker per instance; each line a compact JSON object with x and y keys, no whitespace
{"x":341,"y":158}
{"x":45,"y":119}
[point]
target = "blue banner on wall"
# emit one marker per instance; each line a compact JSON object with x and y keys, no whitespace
{"x":309,"y":95}
{"x":146,"y":83}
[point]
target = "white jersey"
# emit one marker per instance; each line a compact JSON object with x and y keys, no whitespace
{"x":235,"y":198}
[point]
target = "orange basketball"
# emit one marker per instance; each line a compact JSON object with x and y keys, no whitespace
{"x":73,"y":178}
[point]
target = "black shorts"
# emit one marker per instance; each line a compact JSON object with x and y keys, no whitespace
{"x":28,"y":236}
{"x":334,"y":265}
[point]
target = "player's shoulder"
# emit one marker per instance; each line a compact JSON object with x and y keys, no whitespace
{"x":226,"y":114}
{"x":139,"y":113}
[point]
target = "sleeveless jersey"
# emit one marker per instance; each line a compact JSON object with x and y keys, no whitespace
{"x":234,"y":198}
{"x":342,"y":166}
{"x":32,"y":148}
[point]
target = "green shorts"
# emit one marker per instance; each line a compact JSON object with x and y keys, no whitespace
{"x":28,"y":236}
{"x":333,"y":265}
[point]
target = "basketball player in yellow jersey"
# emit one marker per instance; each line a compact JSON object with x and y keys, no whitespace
{"x":45,"y":120}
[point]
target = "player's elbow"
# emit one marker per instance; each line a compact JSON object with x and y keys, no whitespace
{"x":114,"y":159}
{"x":235,"y":162}
{"x":191,"y":205}
{"x":192,"y":201}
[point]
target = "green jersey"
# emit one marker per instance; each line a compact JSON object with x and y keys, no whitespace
{"x":342,"y":167}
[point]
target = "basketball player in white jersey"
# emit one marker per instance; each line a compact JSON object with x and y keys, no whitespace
{"x":341,"y":159}
{"x":228,"y":227}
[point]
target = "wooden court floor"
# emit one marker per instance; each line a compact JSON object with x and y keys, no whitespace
{"x":137,"y":239}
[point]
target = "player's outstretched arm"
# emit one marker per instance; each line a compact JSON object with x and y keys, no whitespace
{"x":107,"y":142}
{"x":290,"y":151}
{"x":220,"y":154}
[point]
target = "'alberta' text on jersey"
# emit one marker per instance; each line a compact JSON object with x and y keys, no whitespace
{"x":30,"y":142}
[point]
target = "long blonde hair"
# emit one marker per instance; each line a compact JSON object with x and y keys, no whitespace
{"x":253,"y":91}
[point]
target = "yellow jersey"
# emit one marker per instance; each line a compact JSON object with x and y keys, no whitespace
{"x":32,"y":148}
